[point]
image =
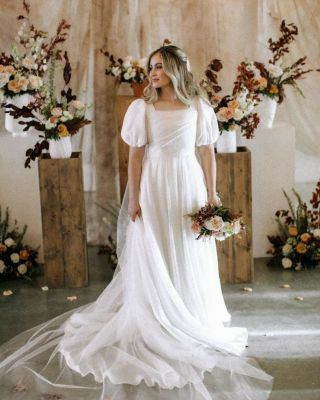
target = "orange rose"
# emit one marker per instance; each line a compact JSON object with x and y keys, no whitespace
{"x":301,"y":248}
{"x":62,"y":130}
{"x":24,"y":254}
{"x":3,"y":248}
{"x":263,"y":83}
{"x":293,"y":231}
{"x":14,"y":86}
{"x":53,"y":119}
{"x":274,"y":89}
{"x":233,"y":104}
{"x":305,"y":237}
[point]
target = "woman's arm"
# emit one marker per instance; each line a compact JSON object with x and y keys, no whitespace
{"x":209,"y":166}
{"x":134,"y":175}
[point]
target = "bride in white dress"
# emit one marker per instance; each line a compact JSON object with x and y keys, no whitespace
{"x":160,"y":330}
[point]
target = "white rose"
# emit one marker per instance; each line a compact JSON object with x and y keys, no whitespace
{"x":9,"y":242}
{"x":238,"y":114}
{"x":214,"y":224}
{"x":35,"y":82}
{"x":66,"y":116}
{"x":49,"y":125}
{"x":2,"y":267}
{"x":56,"y":111}
{"x":127,"y":62}
{"x":316,"y":233}
{"x":15,"y":257}
{"x":28,"y":62}
{"x":22,"y":269}
{"x":286,"y":249}
{"x":126,"y":76}
{"x":78,"y":105}
{"x":4,"y":78}
{"x":274,"y":70}
{"x":286,"y":262}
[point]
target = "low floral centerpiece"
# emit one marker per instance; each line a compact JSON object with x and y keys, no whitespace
{"x":128,"y":70}
{"x":269,"y":80}
{"x":16,"y":258}
{"x":232,"y":111}
{"x":22,"y":71}
{"x":57,"y":118}
{"x":297,"y":245}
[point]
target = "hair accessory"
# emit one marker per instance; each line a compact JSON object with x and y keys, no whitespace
{"x":166,"y":42}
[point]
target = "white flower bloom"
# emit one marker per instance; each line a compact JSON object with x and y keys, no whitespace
{"x":9,"y":242}
{"x":22,"y":269}
{"x":316,"y":233}
{"x":66,"y":116}
{"x":2,"y":267}
{"x":15,"y":257}
{"x":127,"y":62}
{"x":286,"y":249}
{"x":116,"y":71}
{"x":56,"y":111}
{"x":126,"y":76}
{"x":35,"y":82}
{"x":238,"y":114}
{"x":77,"y":104}
{"x":44,"y":67}
{"x":4,"y":78}
{"x":28,"y":62}
{"x":49,"y":125}
{"x":274,"y":70}
{"x":214,"y":224}
{"x":286,"y":262}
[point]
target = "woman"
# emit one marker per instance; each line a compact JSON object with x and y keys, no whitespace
{"x":158,"y":330}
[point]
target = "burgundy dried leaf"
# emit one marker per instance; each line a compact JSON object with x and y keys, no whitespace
{"x":67,"y":69}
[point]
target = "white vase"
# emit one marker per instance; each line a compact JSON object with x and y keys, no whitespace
{"x":266,"y":110}
{"x":227,"y":142}
{"x":12,"y":125}
{"x":61,"y":148}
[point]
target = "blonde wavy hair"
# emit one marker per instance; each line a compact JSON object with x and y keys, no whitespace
{"x":176,"y":65}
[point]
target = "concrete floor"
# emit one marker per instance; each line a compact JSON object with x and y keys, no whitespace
{"x":284,"y":332}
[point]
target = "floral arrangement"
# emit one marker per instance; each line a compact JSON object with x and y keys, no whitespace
{"x":271,"y":79}
{"x":232,"y":111}
{"x":16,"y":259}
{"x":297,"y":245}
{"x":126,"y":70}
{"x":216,"y":221}
{"x":56,"y":117}
{"x":110,"y":248}
{"x":22,"y":71}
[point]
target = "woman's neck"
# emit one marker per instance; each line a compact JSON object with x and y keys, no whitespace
{"x":168,"y":94}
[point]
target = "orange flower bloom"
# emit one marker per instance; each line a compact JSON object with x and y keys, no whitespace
{"x":62,"y":130}
{"x":3,"y":248}
{"x":301,"y":248}
{"x":53,"y":119}
{"x":305,"y":237}
{"x":233,"y":104}
{"x":14,"y":86}
{"x":293,"y":231}
{"x":195,"y":227}
{"x":24,"y":254}
{"x":263,"y":83}
{"x":274,"y":89}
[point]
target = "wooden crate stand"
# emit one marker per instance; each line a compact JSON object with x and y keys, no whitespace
{"x":63,"y":221}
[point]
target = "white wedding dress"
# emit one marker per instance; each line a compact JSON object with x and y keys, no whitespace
{"x":159,"y":331}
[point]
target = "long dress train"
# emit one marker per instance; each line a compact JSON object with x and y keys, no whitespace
{"x":160,"y":330}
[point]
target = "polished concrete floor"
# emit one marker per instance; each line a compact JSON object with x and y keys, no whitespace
{"x":284,"y":332}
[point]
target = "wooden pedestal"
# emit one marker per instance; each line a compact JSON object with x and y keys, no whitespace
{"x":234,"y":185}
{"x":63,"y":221}
{"x":235,"y":254}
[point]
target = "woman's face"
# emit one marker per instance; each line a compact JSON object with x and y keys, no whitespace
{"x":157,"y":75}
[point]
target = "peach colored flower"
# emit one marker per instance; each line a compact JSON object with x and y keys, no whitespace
{"x":293,"y":231}
{"x":274,"y":89}
{"x":63,"y":130}
{"x":53,"y":119}
{"x":195,"y":227}
{"x":305,"y":237}
{"x":225,"y":113}
{"x":3,"y":248}
{"x":301,"y":248}
{"x":263,"y":83}
{"x":233,"y":104}
{"x":24,"y":254}
{"x":56,"y":111}
{"x":24,"y":82}
{"x":14,"y":86}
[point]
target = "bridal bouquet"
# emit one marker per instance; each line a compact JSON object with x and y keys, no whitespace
{"x":216,"y":221}
{"x":22,"y":70}
{"x":126,"y":70}
{"x":232,"y":111}
{"x":297,"y":245}
{"x":56,"y":117}
{"x":270,"y":79}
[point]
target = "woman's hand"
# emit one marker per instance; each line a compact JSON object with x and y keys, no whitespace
{"x":214,"y":200}
{"x":134,"y":209}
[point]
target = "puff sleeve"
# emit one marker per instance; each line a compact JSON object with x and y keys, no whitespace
{"x":207,"y":124}
{"x":134,"y":130}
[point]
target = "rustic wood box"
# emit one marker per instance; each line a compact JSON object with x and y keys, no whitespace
{"x":63,"y":221}
{"x":234,"y":183}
